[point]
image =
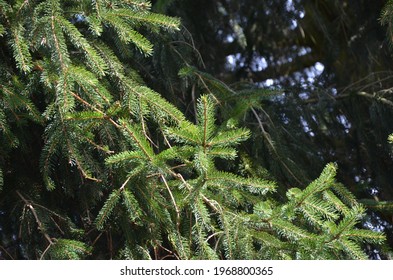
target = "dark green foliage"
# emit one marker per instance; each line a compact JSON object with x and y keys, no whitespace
{"x":64,"y":249}
{"x":96,"y":163}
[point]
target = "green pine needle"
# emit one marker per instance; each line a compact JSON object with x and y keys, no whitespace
{"x":107,"y":209}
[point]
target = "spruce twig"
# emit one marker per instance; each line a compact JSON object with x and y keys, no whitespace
{"x":38,"y":221}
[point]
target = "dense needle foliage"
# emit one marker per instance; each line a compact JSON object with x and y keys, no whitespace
{"x":95,"y":163}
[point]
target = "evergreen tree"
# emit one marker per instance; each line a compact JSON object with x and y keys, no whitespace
{"x":97,"y":164}
{"x":331,"y":63}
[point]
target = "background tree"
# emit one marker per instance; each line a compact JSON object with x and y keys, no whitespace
{"x":96,"y":163}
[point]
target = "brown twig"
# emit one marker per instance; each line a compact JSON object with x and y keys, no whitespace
{"x":41,"y":228}
{"x":5,"y":251}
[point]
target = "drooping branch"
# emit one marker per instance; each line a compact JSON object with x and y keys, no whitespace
{"x":41,"y":228}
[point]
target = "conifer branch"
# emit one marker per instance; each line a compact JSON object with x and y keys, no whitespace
{"x":143,"y":4}
{"x":45,"y":251}
{"x":127,"y":34}
{"x":21,"y":50}
{"x":107,"y":209}
{"x":151,"y":19}
{"x":36,"y":217}
{"x":174,"y":203}
{"x":141,"y":143}
{"x":59,"y":49}
{"x":181,"y":193}
{"x":205,"y":116}
{"x":95,"y":62}
{"x":323,"y":183}
{"x":16,"y":100}
{"x":187,"y":185}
